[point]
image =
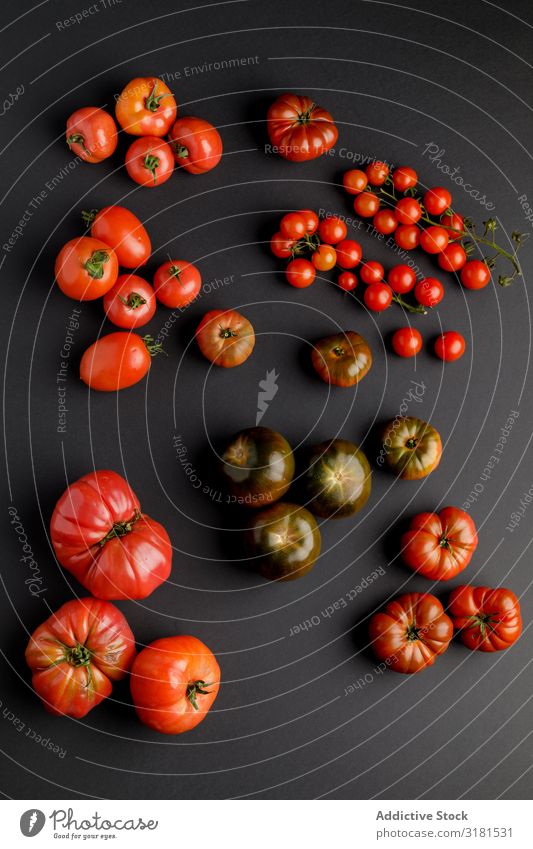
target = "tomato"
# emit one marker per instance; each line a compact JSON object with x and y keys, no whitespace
{"x":407,"y":237}
{"x":332,"y":230}
{"x":404,"y":178}
{"x":101,"y":536}
{"x":311,"y":220}
{"x":121,"y":230}
{"x":293,"y":225}
{"x":377,"y":172}
{"x":281,"y":246}
{"x":225,"y":337}
{"x":354,"y":181}
{"x":130,"y":303}
{"x":324,"y":258}
{"x":401,"y":279}
{"x":146,"y":107}
{"x":91,"y":134}
{"x":338,"y":479}
{"x":299,"y":129}
{"x":300,"y":273}
{"x":454,"y":225}
{"x":439,"y":545}
{"x":77,"y":653}
{"x":385,"y":221}
{"x":196,"y":145}
{"x":487,"y":619}
{"x":284,"y":541}
{"x":411,"y":448}
{"x":452,"y":258}
{"x":366,"y":204}
{"x":408,"y":211}
{"x":349,"y":253}
{"x":342,"y":359}
{"x":347,"y":281}
{"x":257,"y":466}
{"x":437,"y":200}
{"x":117,"y":361}
{"x":429,"y":292}
{"x":371,"y":272}
{"x":450,"y":346}
{"x":475,"y":274}
{"x":174,"y":682}
{"x":177,"y":283}
{"x":378,"y":297}
{"x":149,"y":161}
{"x":434,"y":239}
{"x":410,"y":632}
{"x":407,"y":341}
{"x":86,"y":268}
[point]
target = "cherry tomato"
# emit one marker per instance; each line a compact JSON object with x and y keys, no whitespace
{"x":91,"y":134}
{"x":121,"y":230}
{"x":196,"y":145}
{"x":452,"y":258}
{"x":177,"y":283}
{"x":117,"y":361}
{"x":347,"y":281}
{"x":434,"y":239}
{"x":86,"y":268}
{"x":324,"y":258}
{"x":225,"y":337}
{"x":437,"y":200}
{"x":299,"y":129}
{"x":429,"y":292}
{"x":354,"y":181}
{"x":454,"y":224}
{"x":281,"y":246}
{"x":408,"y":211}
{"x":349,"y":253}
{"x":401,"y":279}
{"x":404,"y":178}
{"x":366,"y":204}
{"x":146,"y":107}
{"x":293,"y":225}
{"x":385,"y":221}
{"x":332,"y":230}
{"x":371,"y":272}
{"x":377,"y":172}
{"x":130,"y":303}
{"x":311,"y":220}
{"x":450,"y":346}
{"x":378,"y":297}
{"x":475,"y":274}
{"x":407,"y":236}
{"x":149,"y":161}
{"x":407,"y":342}
{"x":300,"y":273}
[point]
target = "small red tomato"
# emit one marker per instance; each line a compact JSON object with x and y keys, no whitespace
{"x":121,"y":230}
{"x":454,"y":224}
{"x":450,"y":346}
{"x":130,"y":303}
{"x":475,"y":274}
{"x":385,"y":221}
{"x":401,"y":279}
{"x":404,"y":178}
{"x":177,"y":283}
{"x":332,"y":230}
{"x":407,"y":236}
{"x":434,"y":239}
{"x":429,"y":292}
{"x":347,"y":281}
{"x":437,"y":200}
{"x":150,"y":161}
{"x":354,"y":181}
{"x":225,"y":337}
{"x":324,"y":258}
{"x":378,"y":297}
{"x":86,"y":268}
{"x":300,"y":273}
{"x":311,"y":220}
{"x":146,"y":107}
{"x":349,"y":253}
{"x":371,"y":272}
{"x":377,"y":172}
{"x":293,"y":225}
{"x":117,"y":360}
{"x":406,"y":342}
{"x":408,"y":211}
{"x":281,"y":246}
{"x":91,"y":134}
{"x":366,"y":204}
{"x":452,"y":258}
{"x":196,"y":145}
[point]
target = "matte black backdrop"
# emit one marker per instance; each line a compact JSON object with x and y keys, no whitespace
{"x":396,"y":79}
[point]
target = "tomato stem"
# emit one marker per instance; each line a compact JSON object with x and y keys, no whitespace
{"x":78,"y":655}
{"x":194,"y":688}
{"x":154,"y":348}
{"x":226,"y":333}
{"x":420,"y":310}
{"x":305,"y":117}
{"x":95,"y":264}
{"x":88,"y":216}
{"x":179,"y":149}
{"x":133,"y":300}
{"x":77,"y":138}
{"x":120,"y":529}
{"x":151,"y":162}
{"x":152,"y":102}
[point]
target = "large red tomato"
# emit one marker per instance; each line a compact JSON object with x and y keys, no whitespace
{"x":76,"y":655}
{"x":410,"y":632}
{"x":117,"y":361}
{"x":196,"y":145}
{"x":174,"y":682}
{"x":100,"y":535}
{"x":121,"y":230}
{"x":91,"y":134}
{"x":86,"y":268}
{"x":146,"y":107}
{"x":225,"y":337}
{"x":299,"y":129}
{"x":487,"y":619}
{"x":439,"y":545}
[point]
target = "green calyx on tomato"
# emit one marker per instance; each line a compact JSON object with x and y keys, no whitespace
{"x":133,"y":301}
{"x":195,"y":688}
{"x":95,"y":264}
{"x":412,"y":448}
{"x":154,"y":348}
{"x":257,"y":467}
{"x":153,"y":101}
{"x":78,"y":655}
{"x":77,"y":138}
{"x":88,"y":216}
{"x":120,"y":529}
{"x":179,"y":149}
{"x":338,"y":480}
{"x":151,"y":163}
{"x":305,"y":117}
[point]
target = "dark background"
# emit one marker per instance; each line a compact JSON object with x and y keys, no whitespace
{"x":395,"y":79}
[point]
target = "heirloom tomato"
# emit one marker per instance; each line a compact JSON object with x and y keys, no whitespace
{"x":130,"y":303}
{"x":411,"y":448}
{"x":225,"y":337}
{"x":117,"y":361}
{"x":86,"y":268}
{"x":299,"y":129}
{"x":439,"y":545}
{"x":343,"y":359}
{"x":177,"y":283}
{"x":338,"y":479}
{"x":196,"y":145}
{"x":146,"y":107}
{"x":121,"y":230}
{"x":91,"y":134}
{"x":487,"y":619}
{"x":257,"y":466}
{"x":284,"y":541}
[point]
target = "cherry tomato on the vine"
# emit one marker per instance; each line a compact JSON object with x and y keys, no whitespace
{"x":452,"y":258}
{"x":404,"y":178}
{"x":300,"y":273}
{"x":347,"y":281}
{"x":293,"y":225}
{"x":401,"y":279}
{"x":437,"y":200}
{"x":377,"y":172}
{"x":366,"y":204}
{"x":454,"y":225}
{"x":86,"y":268}
{"x":324,"y":258}
{"x":150,"y":161}
{"x":475,"y":274}
{"x":407,"y":236}
{"x":378,"y":297}
{"x":196,"y":145}
{"x":354,"y":181}
{"x":349,"y":253}
{"x":434,"y":239}
{"x":177,"y":283}
{"x":450,"y":346}
{"x":332,"y":230}
{"x":130,"y":303}
{"x":281,"y":246}
{"x":91,"y":134}
{"x":429,"y":292}
{"x":311,"y":220}
{"x":371,"y":272}
{"x":146,"y":107}
{"x":385,"y":221}
{"x":408,"y":211}
{"x":407,"y":341}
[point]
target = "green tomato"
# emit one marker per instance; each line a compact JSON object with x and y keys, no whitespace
{"x":411,"y":447}
{"x":338,"y":479}
{"x":257,"y":467}
{"x":285,"y":541}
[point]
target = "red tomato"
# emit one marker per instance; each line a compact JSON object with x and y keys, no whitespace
{"x":450,"y":346}
{"x":86,"y":268}
{"x":332,"y":230}
{"x":324,"y":258}
{"x":487,"y":619}
{"x":347,"y":281}
{"x":91,"y":134}
{"x":300,"y":273}
{"x":429,"y":292}
{"x":311,"y":220}
{"x":366,"y":204}
{"x":196,"y":145}
{"x":349,"y":253}
{"x":452,"y":258}
{"x":281,"y":246}
{"x":299,"y":129}
{"x":407,"y":237}
{"x":434,"y":239}
{"x":225,"y":337}
{"x":149,"y":161}
{"x":177,"y":283}
{"x":174,"y":682}
{"x":408,"y":211}
{"x":100,"y":535}
{"x":437,"y":200}
{"x":130,"y":303}
{"x":377,"y":172}
{"x":406,"y":342}
{"x":117,"y":361}
{"x":354,"y":181}
{"x":121,"y":230}
{"x":293,"y":225}
{"x":385,"y":221}
{"x":410,"y":632}
{"x":146,"y":107}
{"x":378,"y":297}
{"x":454,"y":224}
{"x":439,"y":545}
{"x":401,"y":279}
{"x":371,"y":272}
{"x":404,"y":178}
{"x":76,"y":655}
{"x":475,"y":274}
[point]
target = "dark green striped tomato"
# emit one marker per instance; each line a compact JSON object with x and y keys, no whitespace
{"x":338,"y":479}
{"x":342,"y":359}
{"x":257,"y":467}
{"x":284,"y":541}
{"x":410,"y":447}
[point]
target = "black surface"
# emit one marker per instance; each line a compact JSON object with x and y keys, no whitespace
{"x":395,"y":79}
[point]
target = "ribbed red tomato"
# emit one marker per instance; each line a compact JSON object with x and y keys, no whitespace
{"x":488,"y":619}
{"x":299,"y":129}
{"x":225,"y":337}
{"x":439,"y":545}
